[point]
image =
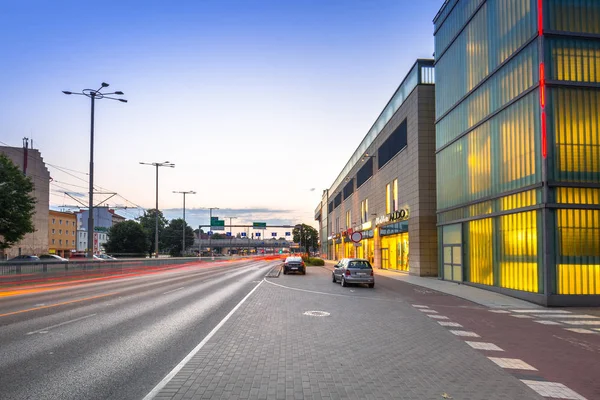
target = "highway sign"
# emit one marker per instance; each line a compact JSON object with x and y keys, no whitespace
{"x":228,"y":234}
{"x":259,"y":225}
{"x":257,"y":234}
{"x":288,"y":234}
{"x":243,"y":234}
{"x":274,"y":234}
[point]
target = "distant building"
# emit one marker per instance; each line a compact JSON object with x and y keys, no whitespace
{"x":30,"y":161}
{"x":62,"y":233}
{"x":104,"y":218}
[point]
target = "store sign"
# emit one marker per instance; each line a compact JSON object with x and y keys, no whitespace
{"x":399,"y":215}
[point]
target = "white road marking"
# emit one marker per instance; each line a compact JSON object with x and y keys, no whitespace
{"x":574,"y":316}
{"x":544,"y":322}
{"x":581,"y":322}
{"x":448,"y":323}
{"x":427,"y":310}
{"x":196,"y":349}
{"x":483,"y":346}
{"x":543,"y":311}
{"x":46,"y":329}
{"x":419,"y":306}
{"x":437,"y":316}
{"x":579,"y":330}
{"x":553,"y":390}
{"x":174,"y":290}
{"x":512,"y":363}
{"x":500,"y":311}
{"x":521,"y":316}
{"x":464,"y":333}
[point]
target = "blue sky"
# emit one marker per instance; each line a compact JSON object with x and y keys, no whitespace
{"x":258,"y":103}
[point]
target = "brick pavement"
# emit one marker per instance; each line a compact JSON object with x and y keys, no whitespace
{"x":372,"y":345}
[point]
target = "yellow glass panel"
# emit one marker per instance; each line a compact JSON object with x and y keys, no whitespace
{"x":480,"y":252}
{"x":518,"y":200}
{"x":570,"y":195}
{"x":479,"y":161}
{"x":578,"y":279}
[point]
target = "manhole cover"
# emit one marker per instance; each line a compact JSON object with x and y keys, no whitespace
{"x":317,"y":313}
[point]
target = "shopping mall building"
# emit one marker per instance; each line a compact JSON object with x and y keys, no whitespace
{"x":517,"y":116}
{"x":386,"y":191}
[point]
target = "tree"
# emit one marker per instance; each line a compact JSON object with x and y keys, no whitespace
{"x":17,"y":204}
{"x":172,"y":237}
{"x":127,"y":238}
{"x":306,"y":235}
{"x":148,"y":222}
{"x":219,"y":236}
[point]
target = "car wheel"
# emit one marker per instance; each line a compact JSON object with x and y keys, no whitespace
{"x":285,"y":271}
{"x":344,"y":284}
{"x":371,"y":285}
{"x":333,"y":278}
{"x":303,"y":272}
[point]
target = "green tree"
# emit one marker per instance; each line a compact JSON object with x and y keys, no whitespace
{"x":219,"y":236}
{"x":17,"y":204}
{"x":127,"y":238}
{"x":148,"y":222}
{"x":172,"y":237}
{"x":306,"y":235}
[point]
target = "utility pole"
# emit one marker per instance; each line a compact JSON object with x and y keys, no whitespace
{"x":230,"y":233}
{"x":184,"y":225}
{"x":210,"y":230}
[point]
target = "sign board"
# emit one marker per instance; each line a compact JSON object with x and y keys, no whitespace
{"x":357,"y":244}
{"x":259,"y":225}
{"x":356,"y":237}
{"x":217,"y":224}
{"x":400,"y":215}
{"x":212,"y":219}
{"x":274,"y":234}
{"x":228,"y":234}
{"x":243,"y":234}
{"x":257,"y":233}
{"x":217,"y":228}
{"x":288,"y":234}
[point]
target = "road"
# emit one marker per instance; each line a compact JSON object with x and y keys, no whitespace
{"x":114,"y":339}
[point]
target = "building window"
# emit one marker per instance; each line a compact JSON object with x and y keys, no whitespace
{"x":53,"y":231}
{"x":395,"y":195}
{"x":66,"y":232}
{"x":337,"y":200}
{"x":60,"y":241}
{"x":53,"y":241}
{"x":388,"y":195}
{"x":349,"y":189}
{"x":348,"y":219}
{"x":337,"y":224}
{"x":393,"y":144}
{"x":73,"y":233}
{"x":364,"y":210}
{"x":73,"y":223}
{"x":365,"y":172}
{"x":60,"y":231}
{"x":60,"y":221}
{"x":73,"y":243}
{"x":53,"y":220}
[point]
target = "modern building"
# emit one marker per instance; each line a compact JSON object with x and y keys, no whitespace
{"x":100,"y":238}
{"x":104,"y":218}
{"x":518,"y":147}
{"x":386,"y":191}
{"x":62,"y":233}
{"x":32,"y":164}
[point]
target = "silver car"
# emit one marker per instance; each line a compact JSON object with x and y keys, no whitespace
{"x":353,"y":270}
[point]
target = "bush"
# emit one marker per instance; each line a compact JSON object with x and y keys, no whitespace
{"x":317,"y":262}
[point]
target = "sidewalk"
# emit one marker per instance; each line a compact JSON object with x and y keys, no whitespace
{"x":479,"y":296}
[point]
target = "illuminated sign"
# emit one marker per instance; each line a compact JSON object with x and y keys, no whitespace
{"x":399,"y":215}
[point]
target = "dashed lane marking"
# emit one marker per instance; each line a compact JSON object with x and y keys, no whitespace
{"x":437,"y":316}
{"x":543,"y":311}
{"x":521,"y":316}
{"x":419,"y":306}
{"x":574,"y":316}
{"x":512,"y":363}
{"x":553,"y":390}
{"x":483,"y":346}
{"x":46,"y":329}
{"x":464,"y":333}
{"x":500,"y":311}
{"x":448,"y":323}
{"x":543,"y":322}
{"x":581,"y":322}
{"x":427,"y":310}
{"x":579,"y":330}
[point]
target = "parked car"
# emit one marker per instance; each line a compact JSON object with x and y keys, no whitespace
{"x":294,"y":264}
{"x":25,"y":257}
{"x":353,"y":271}
{"x":52,"y":257}
{"x":105,"y":257}
{"x":82,"y":256}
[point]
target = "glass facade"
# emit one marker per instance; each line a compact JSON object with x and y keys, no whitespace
{"x":518,"y":144}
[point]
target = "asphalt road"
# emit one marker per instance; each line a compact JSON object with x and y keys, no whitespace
{"x":114,"y":339}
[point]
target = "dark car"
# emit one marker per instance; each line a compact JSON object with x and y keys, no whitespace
{"x":353,"y":270}
{"x":25,"y":257}
{"x":294,"y":264}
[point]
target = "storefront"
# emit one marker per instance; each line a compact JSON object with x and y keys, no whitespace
{"x":393,"y":232}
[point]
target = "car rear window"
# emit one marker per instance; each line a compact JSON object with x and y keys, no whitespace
{"x":359,"y":265}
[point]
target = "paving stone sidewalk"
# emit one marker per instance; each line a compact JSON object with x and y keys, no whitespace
{"x":368,"y":347}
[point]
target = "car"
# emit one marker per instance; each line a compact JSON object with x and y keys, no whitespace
{"x":52,"y":257}
{"x":105,"y":257}
{"x":294,"y":264}
{"x":353,"y":271}
{"x":82,"y":256}
{"x":25,"y":257}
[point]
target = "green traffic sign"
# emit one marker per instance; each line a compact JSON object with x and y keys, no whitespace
{"x":259,"y":225}
{"x":217,"y":222}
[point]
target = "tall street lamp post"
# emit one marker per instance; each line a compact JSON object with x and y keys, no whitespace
{"x":157,"y":164}
{"x":230,"y":233}
{"x":183,"y":240}
{"x":210,"y":229}
{"x":94,"y":95}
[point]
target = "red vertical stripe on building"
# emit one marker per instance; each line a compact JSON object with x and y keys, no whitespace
{"x":540,"y":17}
{"x":544,"y":148}
{"x":542,"y":85}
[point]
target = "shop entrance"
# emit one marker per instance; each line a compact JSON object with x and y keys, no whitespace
{"x":452,"y":252}
{"x":385,"y":258}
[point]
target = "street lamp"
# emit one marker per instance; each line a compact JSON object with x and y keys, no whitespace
{"x":210,"y":229}
{"x":230,"y":233}
{"x":158,"y":164}
{"x":183,"y":240}
{"x":93,"y":95}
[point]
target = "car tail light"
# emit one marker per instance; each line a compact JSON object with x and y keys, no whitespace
{"x":371,"y":272}
{"x":347,"y":272}
{"x":302,"y":263}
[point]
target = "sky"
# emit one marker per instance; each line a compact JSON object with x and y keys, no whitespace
{"x":258,"y":103}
